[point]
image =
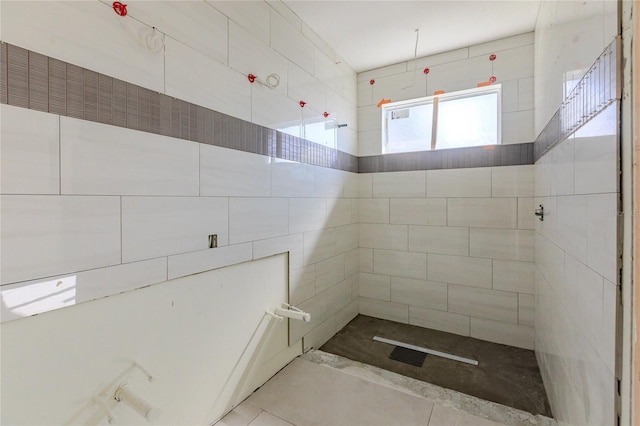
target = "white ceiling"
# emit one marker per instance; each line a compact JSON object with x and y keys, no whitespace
{"x":368,"y":34}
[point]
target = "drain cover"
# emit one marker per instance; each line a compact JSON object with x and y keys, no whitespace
{"x":408,"y":356}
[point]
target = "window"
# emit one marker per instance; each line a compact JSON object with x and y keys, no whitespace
{"x":451,"y":120}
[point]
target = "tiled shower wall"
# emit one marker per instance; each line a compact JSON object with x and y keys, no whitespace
{"x":450,"y":250}
{"x":118,"y":208}
{"x":451,"y":71}
{"x":576,"y":179}
{"x":207,"y":51}
{"x":160,"y":198}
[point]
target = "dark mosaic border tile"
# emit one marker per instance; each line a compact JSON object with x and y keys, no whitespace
{"x":34,"y":81}
{"x":598,"y":88}
{"x":458,"y":158}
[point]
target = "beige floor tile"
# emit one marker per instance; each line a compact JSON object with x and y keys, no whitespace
{"x":305,"y":393}
{"x":268,"y":419}
{"x":448,"y":416}
{"x":242,"y":415}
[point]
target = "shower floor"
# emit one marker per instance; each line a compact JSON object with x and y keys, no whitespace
{"x":505,"y":374}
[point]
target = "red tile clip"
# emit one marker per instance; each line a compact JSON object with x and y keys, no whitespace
{"x":326,"y":114}
{"x":251,"y":78}
{"x":302,"y":103}
{"x":426,"y":70}
{"x":120,"y":8}
{"x":372,"y":82}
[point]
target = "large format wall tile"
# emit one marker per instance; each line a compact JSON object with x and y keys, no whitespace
{"x":227,"y":172}
{"x":161,"y":226}
{"x":484,"y":303}
{"x":49,"y":235}
{"x":423,"y":294}
{"x":467,"y":271}
{"x":483,"y":212}
{"x":439,"y":320}
{"x":253,"y":219}
{"x":505,"y":244}
{"x":399,"y":184}
{"x":195,"y":77}
{"x":108,"y":160}
{"x":98,"y":39}
{"x":184,"y":264}
{"x":194,"y":24}
{"x":33,"y":297}
{"x":459,"y":183}
{"x":400,"y":264}
{"x":30,"y":152}
{"x":418,"y":211}
{"x":500,"y":332}
{"x":439,"y":239}
{"x":391,"y":237}
{"x":386,"y":310}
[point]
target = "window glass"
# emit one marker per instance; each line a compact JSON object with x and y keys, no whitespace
{"x":464,"y":118}
{"x":468,"y":121}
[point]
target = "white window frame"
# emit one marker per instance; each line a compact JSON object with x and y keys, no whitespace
{"x":494,"y":88}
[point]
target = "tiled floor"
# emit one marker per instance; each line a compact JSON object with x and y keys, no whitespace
{"x":325,"y":389}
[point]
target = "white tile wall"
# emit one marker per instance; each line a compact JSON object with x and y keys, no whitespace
{"x":499,"y":332}
{"x":256,"y":219}
{"x":483,"y":303}
{"x":184,"y":264}
{"x":166,"y":191}
{"x":464,"y":270}
{"x":385,"y":310}
{"x":252,"y":16}
{"x":51,"y":235}
{"x":28,"y":298}
{"x":439,"y":239}
{"x":400,"y":264}
{"x":290,"y":42}
{"x":512,"y":181}
{"x":506,"y":244}
{"x":227,"y":172}
{"x":483,"y":212}
{"x":577,"y":183}
{"x":194,"y":24}
{"x":30,"y":155}
{"x":98,"y":39}
{"x":249,"y":55}
{"x":375,"y":286}
{"x":289,"y":179}
{"x":107,"y":160}
{"x":372,"y":210}
{"x":439,"y":320}
{"x":392,"y":237}
{"x":418,"y":211}
{"x":399,"y":184}
{"x":474,"y":182}
{"x":451,"y":71}
{"x":306,"y":214}
{"x":161,"y":226}
{"x":423,"y":294}
{"x":195,"y":77}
